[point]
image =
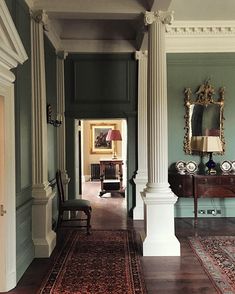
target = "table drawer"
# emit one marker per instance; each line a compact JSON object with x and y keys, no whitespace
{"x":182,"y":186}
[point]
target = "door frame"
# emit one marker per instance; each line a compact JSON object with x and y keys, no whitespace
{"x":12,"y":53}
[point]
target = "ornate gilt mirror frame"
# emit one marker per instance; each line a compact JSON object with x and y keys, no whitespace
{"x":205,"y":103}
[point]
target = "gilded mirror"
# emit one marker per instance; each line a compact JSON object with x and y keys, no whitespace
{"x":204,"y":114}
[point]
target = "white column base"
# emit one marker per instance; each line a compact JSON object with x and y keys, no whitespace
{"x":44,"y":238}
{"x":138,"y":211}
{"x":160,"y":237}
{"x":166,"y":247}
{"x":43,"y":247}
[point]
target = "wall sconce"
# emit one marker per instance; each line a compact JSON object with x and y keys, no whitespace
{"x":55,"y":122}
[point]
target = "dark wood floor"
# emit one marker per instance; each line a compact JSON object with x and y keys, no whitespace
{"x":182,"y":275}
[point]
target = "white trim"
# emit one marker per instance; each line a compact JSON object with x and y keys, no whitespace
{"x":107,"y":46}
{"x":12,"y":51}
{"x":53,"y":37}
{"x":7,"y":222}
{"x":30,"y":3}
{"x":207,"y":36}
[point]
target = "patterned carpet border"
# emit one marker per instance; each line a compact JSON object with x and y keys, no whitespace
{"x":107,"y":261}
{"x":217,"y":256}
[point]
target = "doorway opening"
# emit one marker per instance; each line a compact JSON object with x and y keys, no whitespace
{"x":92,"y":148}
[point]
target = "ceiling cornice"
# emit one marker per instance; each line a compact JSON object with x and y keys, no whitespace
{"x":30,"y":3}
{"x":97,"y":46}
{"x":208,"y":36}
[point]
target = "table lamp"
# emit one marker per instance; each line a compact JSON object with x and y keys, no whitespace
{"x":207,"y":144}
{"x":114,"y":135}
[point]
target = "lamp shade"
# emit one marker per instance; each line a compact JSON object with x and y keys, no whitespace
{"x":114,"y":135}
{"x":206,"y":144}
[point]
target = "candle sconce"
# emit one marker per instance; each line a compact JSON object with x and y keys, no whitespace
{"x":55,"y":122}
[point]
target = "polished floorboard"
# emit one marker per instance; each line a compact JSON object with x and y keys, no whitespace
{"x":182,"y":275}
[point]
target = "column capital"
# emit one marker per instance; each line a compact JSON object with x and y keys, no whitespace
{"x":141,"y":54}
{"x":61,"y":54}
{"x":165,"y":17}
{"x":40,"y":17}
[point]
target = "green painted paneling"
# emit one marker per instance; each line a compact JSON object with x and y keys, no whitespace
{"x":131,"y":161}
{"x":99,"y":86}
{"x":51,"y":93}
{"x":190,"y":70}
{"x":70,"y":156}
{"x":24,"y":245}
{"x":51,"y":97}
{"x":23,"y":104}
{"x":102,"y":81}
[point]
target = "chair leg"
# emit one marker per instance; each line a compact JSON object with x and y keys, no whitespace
{"x":59,"y":221}
{"x":88,"y":214}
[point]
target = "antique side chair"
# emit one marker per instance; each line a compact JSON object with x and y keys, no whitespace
{"x":74,"y":205}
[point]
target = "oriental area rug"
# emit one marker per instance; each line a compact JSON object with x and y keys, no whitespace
{"x":217,"y":256}
{"x":100,"y":263}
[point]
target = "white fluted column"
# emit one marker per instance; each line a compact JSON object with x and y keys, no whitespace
{"x":141,"y":177}
{"x":61,"y":151}
{"x":43,"y":237}
{"x":159,"y":200}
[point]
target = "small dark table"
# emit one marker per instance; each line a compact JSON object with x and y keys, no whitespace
{"x":216,"y":186}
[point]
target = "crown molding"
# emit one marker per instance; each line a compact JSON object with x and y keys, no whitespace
{"x":98,"y":46}
{"x":53,"y":37}
{"x":12,"y":50}
{"x":30,"y":3}
{"x":207,"y":36}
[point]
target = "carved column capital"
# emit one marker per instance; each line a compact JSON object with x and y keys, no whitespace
{"x":40,"y":17}
{"x":141,"y":54}
{"x":165,"y":17}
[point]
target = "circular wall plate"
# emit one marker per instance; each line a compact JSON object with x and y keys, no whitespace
{"x":226,"y":166}
{"x":191,"y":166}
{"x":180,"y":166}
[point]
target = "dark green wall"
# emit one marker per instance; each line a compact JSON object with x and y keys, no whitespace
{"x":24,"y":244}
{"x":51,"y":94}
{"x":101,"y":86}
{"x":191,"y":70}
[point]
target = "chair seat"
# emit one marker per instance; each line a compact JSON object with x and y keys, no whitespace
{"x":76,"y":203}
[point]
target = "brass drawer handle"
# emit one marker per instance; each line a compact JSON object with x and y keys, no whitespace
{"x":205,"y":181}
{"x":180,"y":186}
{"x":231,"y":180}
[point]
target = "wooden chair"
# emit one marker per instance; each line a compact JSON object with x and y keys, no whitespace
{"x":74,"y":205}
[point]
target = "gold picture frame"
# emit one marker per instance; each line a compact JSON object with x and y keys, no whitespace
{"x":99,"y":145}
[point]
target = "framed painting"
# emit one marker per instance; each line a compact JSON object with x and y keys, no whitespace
{"x":98,"y":138}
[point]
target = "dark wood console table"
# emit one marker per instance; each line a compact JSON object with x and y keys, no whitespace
{"x":217,"y":186}
{"x":111,"y":185}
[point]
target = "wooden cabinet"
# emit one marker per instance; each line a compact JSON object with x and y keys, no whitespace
{"x":218,"y":186}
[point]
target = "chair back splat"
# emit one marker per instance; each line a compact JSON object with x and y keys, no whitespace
{"x":73,"y":205}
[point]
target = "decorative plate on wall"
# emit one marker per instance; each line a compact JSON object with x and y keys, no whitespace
{"x":233,"y":166}
{"x":191,"y":167}
{"x":180,"y":166}
{"x":226,"y":166}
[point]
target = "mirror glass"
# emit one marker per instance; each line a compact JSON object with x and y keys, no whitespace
{"x":204,"y":115}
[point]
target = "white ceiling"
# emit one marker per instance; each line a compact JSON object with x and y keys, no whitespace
{"x":107,"y":24}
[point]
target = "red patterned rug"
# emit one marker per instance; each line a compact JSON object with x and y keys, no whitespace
{"x":100,"y":263}
{"x":217,"y":256}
